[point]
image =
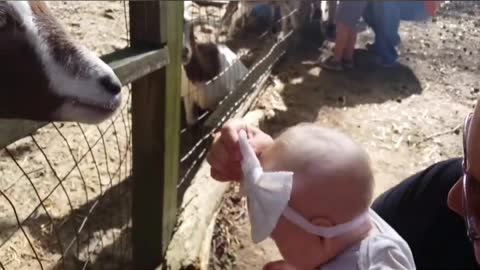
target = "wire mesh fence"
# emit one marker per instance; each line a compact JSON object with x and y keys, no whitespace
{"x":65,"y":189}
{"x":242,"y":46}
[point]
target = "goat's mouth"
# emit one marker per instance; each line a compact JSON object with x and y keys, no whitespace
{"x":95,"y":106}
{"x":86,"y":111}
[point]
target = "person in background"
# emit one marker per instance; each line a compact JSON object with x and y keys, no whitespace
{"x":384,"y":18}
{"x":332,"y":12}
{"x":347,"y":18}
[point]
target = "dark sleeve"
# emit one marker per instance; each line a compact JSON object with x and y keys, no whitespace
{"x":417,"y":209}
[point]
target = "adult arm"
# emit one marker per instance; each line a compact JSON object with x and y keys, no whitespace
{"x":473,"y":144}
{"x":225,"y":157}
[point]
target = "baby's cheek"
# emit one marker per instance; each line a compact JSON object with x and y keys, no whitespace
{"x":287,"y":240}
{"x":277,"y":232}
{"x":280,"y":235}
{"x":298,"y":248}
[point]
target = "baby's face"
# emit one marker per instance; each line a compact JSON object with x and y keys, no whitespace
{"x":310,"y":199}
{"x":298,"y":248}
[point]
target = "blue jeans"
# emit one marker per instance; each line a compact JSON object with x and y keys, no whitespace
{"x":384,"y":18}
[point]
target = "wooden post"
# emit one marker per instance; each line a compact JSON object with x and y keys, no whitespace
{"x":156,"y":131}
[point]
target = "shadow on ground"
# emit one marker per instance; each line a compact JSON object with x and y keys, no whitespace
{"x":307,"y":88}
{"x":99,"y":228}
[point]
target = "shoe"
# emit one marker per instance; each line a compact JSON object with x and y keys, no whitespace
{"x":331,"y":64}
{"x":348,"y":64}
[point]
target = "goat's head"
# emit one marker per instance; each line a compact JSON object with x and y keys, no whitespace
{"x":188,"y":41}
{"x":44,"y":75}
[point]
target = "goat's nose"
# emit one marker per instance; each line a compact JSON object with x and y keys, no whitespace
{"x":111,"y":84}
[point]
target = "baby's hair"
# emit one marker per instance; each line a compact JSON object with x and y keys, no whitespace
{"x":314,"y":150}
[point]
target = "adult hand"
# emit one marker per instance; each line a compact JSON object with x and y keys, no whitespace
{"x":278,"y":265}
{"x":225,"y":156}
{"x":456,"y":200}
{"x":473,"y":144}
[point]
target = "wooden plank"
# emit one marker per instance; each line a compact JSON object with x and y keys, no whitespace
{"x":12,"y":130}
{"x":173,"y":12}
{"x":156,"y":131}
{"x":131,"y":64}
{"x":173,"y":27}
{"x":128,"y":64}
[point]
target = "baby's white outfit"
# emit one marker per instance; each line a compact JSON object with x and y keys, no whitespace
{"x":383,"y":249}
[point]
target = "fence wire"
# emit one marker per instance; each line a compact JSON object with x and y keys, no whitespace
{"x":65,"y":195}
{"x":247,"y":48}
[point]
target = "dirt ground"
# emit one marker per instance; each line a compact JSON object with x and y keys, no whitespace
{"x":406,"y":117}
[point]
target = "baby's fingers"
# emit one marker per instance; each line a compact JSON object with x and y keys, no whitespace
{"x":230,"y":137}
{"x":226,"y":174}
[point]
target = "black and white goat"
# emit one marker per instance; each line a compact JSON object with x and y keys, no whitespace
{"x":211,"y":72}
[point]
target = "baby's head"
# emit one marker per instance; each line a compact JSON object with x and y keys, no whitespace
{"x":333,"y":184}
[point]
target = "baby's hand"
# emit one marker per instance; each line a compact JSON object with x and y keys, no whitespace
{"x":225,"y":157}
{"x":278,"y":265}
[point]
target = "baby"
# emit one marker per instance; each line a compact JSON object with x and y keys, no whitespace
{"x":328,"y":223}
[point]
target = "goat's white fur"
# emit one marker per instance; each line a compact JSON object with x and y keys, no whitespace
{"x":231,"y":16}
{"x":207,"y":94}
{"x":87,"y":91}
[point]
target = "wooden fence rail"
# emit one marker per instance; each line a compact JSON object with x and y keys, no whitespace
{"x":156,"y":131}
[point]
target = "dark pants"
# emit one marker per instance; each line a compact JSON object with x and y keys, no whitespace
{"x":417,"y":209}
{"x":384,"y":18}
